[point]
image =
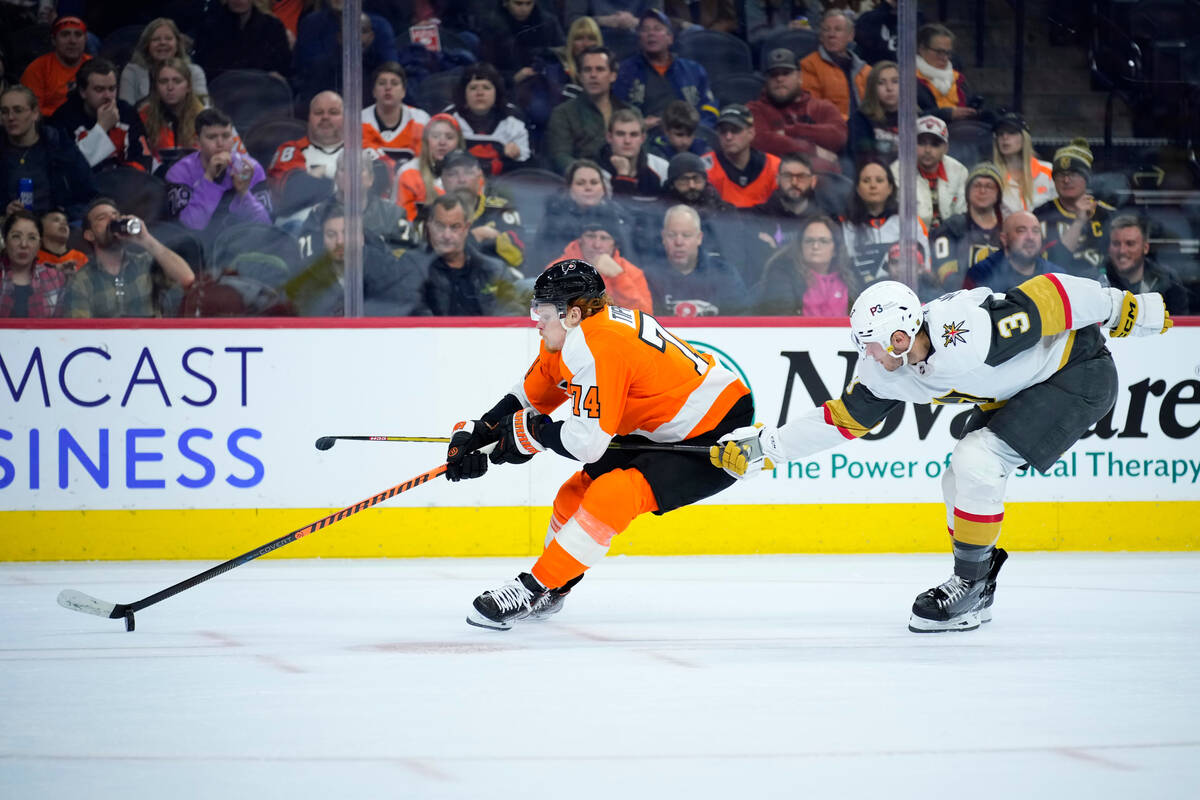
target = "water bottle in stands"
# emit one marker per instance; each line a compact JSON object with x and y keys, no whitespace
{"x":25,"y":193}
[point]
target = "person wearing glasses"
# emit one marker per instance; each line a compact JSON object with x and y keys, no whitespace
{"x":935,"y":47}
{"x":810,"y":277}
{"x":775,"y":224}
{"x":120,"y":279}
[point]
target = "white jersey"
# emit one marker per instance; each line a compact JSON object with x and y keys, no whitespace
{"x":985,"y":348}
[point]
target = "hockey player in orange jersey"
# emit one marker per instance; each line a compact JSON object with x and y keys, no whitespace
{"x":620,"y":374}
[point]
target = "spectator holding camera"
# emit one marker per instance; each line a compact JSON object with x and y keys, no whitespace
{"x":120,"y":280}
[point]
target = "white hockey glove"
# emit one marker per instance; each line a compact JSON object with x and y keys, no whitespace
{"x":746,"y":451}
{"x":1139,"y":315}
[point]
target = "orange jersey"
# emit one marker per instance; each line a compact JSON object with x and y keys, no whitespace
{"x":70,"y":261}
{"x":51,"y":81}
{"x":755,"y":190}
{"x":622,"y":373}
{"x":400,"y":143}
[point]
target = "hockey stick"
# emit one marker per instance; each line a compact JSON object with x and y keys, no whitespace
{"x":326,"y":442}
{"x":84,"y":603}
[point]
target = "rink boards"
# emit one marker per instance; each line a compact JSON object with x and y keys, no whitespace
{"x":172,"y":440}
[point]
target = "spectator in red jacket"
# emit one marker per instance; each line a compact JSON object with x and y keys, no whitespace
{"x":789,"y":119}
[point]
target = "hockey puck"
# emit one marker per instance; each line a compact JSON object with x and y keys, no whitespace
{"x":129,"y":620}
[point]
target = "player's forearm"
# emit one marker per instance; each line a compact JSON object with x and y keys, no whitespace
{"x":808,"y":434}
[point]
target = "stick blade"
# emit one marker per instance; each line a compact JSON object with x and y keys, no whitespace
{"x":85,"y":603}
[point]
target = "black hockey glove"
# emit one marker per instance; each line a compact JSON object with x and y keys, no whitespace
{"x":463,"y":459}
{"x":519,"y":437}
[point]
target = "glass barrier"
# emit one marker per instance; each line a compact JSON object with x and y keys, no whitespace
{"x":707,"y":164}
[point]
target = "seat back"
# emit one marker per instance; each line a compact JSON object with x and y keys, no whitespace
{"x":232,"y":246}
{"x":718,"y":52}
{"x":970,"y":141}
{"x":799,"y":41}
{"x":529,"y":188}
{"x":741,"y":87}
{"x":436,"y":91}
{"x":135,"y":191}
{"x":264,"y":138}
{"x":250,"y":95}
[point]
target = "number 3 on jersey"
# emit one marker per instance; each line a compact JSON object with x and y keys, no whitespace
{"x":591,"y":400}
{"x":658,"y":337}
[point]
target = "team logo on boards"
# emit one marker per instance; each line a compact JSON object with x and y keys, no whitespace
{"x":952,"y":332}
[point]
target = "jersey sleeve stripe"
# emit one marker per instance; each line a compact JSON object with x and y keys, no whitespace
{"x":1050,"y":299}
{"x":1067,"y":348}
{"x":837,"y":416}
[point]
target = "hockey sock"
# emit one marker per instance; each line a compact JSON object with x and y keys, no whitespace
{"x":609,"y":504}
{"x":566,"y":502}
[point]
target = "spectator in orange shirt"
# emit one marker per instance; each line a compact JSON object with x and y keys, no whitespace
{"x":52,"y":76}
{"x":419,"y":182}
{"x":742,"y":175}
{"x":597,"y":245}
{"x":56,"y":242}
{"x":396,"y":127}
{"x":833,"y":71}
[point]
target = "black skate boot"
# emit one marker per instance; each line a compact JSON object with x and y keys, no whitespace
{"x":999,"y":556}
{"x":953,"y":606}
{"x":499,"y":608}
{"x":551,"y":601}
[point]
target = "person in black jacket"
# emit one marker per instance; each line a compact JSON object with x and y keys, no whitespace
{"x":106,"y":130}
{"x":59,"y":173}
{"x":1129,"y":268}
{"x":236,"y":35}
{"x":460,"y":281}
{"x":516,"y":33}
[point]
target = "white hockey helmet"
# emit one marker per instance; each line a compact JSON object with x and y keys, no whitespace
{"x":882,"y":309}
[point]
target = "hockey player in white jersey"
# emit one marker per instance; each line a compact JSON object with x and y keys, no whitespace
{"x":1032,"y":361}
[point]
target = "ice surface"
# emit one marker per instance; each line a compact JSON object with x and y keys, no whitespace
{"x":709,"y":677}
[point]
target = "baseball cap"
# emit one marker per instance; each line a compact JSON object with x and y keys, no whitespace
{"x":1009,"y":121}
{"x":68,"y":22}
{"x":1075,"y":157}
{"x":683,"y":163}
{"x":736,"y":114}
{"x":655,"y":14}
{"x":459,"y":158}
{"x":780,"y":58}
{"x":934,"y":126}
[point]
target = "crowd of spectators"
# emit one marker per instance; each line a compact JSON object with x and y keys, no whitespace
{"x":128,"y":189}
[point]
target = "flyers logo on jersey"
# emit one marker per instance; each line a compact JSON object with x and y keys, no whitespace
{"x":952,"y":333}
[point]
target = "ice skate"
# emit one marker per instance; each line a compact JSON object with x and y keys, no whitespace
{"x":953,"y":606}
{"x":499,"y":608}
{"x":999,"y":556}
{"x":550,"y":602}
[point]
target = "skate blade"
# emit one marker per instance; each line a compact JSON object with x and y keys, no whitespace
{"x":480,"y":621}
{"x":963,"y":622}
{"x":985,"y":615}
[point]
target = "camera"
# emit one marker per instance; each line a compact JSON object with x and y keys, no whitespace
{"x":127,"y":226}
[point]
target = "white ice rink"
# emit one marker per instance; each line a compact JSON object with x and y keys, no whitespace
{"x":750,"y":677}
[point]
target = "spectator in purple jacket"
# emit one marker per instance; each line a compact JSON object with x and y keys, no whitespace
{"x":200,"y":182}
